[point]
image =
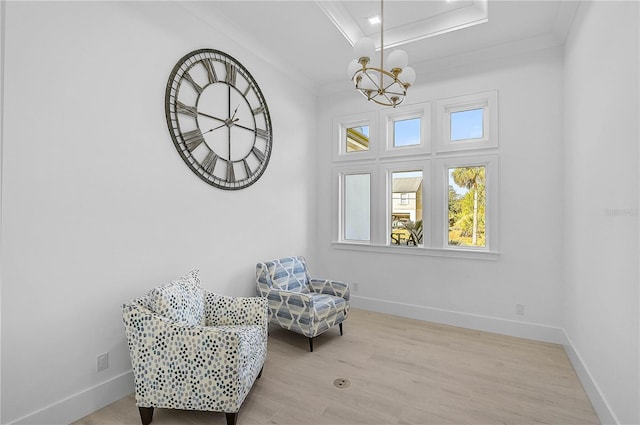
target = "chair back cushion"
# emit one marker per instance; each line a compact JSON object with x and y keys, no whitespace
{"x":289,"y":274}
{"x":182,"y":300}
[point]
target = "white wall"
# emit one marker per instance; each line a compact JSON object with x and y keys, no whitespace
{"x":474,"y":293}
{"x":601,"y":203}
{"x":98,"y":207}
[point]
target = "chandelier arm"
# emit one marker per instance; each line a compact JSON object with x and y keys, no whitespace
{"x":371,"y":78}
{"x":383,"y":72}
{"x":387,"y":104}
{"x":391,"y":84}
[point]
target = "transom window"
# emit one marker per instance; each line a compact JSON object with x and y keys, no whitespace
{"x":406,"y":132}
{"x":466,"y":125}
{"x":357,"y":138}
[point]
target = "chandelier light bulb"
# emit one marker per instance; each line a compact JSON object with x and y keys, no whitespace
{"x":364,"y":48}
{"x":398,"y":59}
{"x":408,"y":75}
{"x":353,"y":67}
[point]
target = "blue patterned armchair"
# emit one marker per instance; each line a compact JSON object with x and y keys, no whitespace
{"x":298,"y":302}
{"x":192,"y":349}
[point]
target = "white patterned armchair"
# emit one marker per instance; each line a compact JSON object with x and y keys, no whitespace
{"x":192,"y":349}
{"x":298,"y":302}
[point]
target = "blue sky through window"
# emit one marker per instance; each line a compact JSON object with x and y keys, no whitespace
{"x":459,"y":190}
{"x":406,"y":132}
{"x":466,"y":124}
{"x":364,"y":130}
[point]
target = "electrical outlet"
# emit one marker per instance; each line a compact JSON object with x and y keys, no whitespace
{"x":520,"y":309}
{"x":355,"y":287}
{"x":103,"y":361}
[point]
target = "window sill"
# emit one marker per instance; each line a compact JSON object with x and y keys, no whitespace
{"x":472,"y":254}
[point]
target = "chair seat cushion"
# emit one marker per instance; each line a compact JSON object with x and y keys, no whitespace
{"x":322,"y":303}
{"x":328,"y":310}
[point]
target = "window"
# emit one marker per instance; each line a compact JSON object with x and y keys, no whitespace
{"x":466,"y":125}
{"x":357,"y":138}
{"x":406,"y":132}
{"x":357,"y":204}
{"x":468,"y":122}
{"x":406,"y":208}
{"x":404,"y":198}
{"x":466,"y":206}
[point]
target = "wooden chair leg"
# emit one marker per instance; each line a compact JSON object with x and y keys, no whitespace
{"x":311,"y":345}
{"x":340,"y":328}
{"x":232,"y":418}
{"x":146,"y":414}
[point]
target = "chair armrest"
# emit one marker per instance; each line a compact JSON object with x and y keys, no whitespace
{"x":221,"y":310}
{"x":295,"y":300}
{"x":330,"y":287}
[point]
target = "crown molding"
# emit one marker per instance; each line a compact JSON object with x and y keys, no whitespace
{"x":466,"y":16}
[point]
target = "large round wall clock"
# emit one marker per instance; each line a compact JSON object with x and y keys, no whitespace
{"x":218,"y":119}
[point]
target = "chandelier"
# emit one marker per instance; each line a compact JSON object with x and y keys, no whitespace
{"x":384,"y":87}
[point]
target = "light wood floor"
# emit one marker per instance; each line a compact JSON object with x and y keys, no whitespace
{"x":402,"y":371}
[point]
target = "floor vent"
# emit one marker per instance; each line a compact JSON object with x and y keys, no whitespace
{"x":341,"y":383}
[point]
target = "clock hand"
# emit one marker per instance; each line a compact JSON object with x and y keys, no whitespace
{"x":227,"y":122}
{"x":253,"y":130}
{"x":209,"y":131}
{"x":234,"y":113}
{"x":257,"y":131}
{"x":211,"y":116}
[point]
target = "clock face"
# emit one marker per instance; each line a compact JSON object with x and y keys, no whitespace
{"x":218,"y":119}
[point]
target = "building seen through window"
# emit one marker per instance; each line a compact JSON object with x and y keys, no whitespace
{"x":406,"y":208}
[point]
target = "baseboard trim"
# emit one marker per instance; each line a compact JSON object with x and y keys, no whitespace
{"x":599,"y":403}
{"x":82,"y":403}
{"x":464,"y":320}
{"x":500,"y":326}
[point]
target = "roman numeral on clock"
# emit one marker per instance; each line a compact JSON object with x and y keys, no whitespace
{"x":231,"y":74}
{"x":181,"y":108}
{"x":195,"y":85}
{"x":211,"y":72}
{"x":231,"y":177}
{"x":258,"y":153}
{"x":247,"y":169}
{"x":209,"y":162}
{"x":262,"y":133}
{"x":192,"y":139}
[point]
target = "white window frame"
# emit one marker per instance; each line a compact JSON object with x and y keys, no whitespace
{"x":340,"y":127}
{"x":339,"y":223}
{"x":487,"y":101}
{"x":389,"y":116}
{"x":491,"y":164}
{"x":387,"y":171}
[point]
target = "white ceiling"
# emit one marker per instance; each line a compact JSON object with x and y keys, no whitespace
{"x":312,"y":40}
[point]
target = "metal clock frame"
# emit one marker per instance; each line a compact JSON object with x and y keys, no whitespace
{"x":188,"y":141}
